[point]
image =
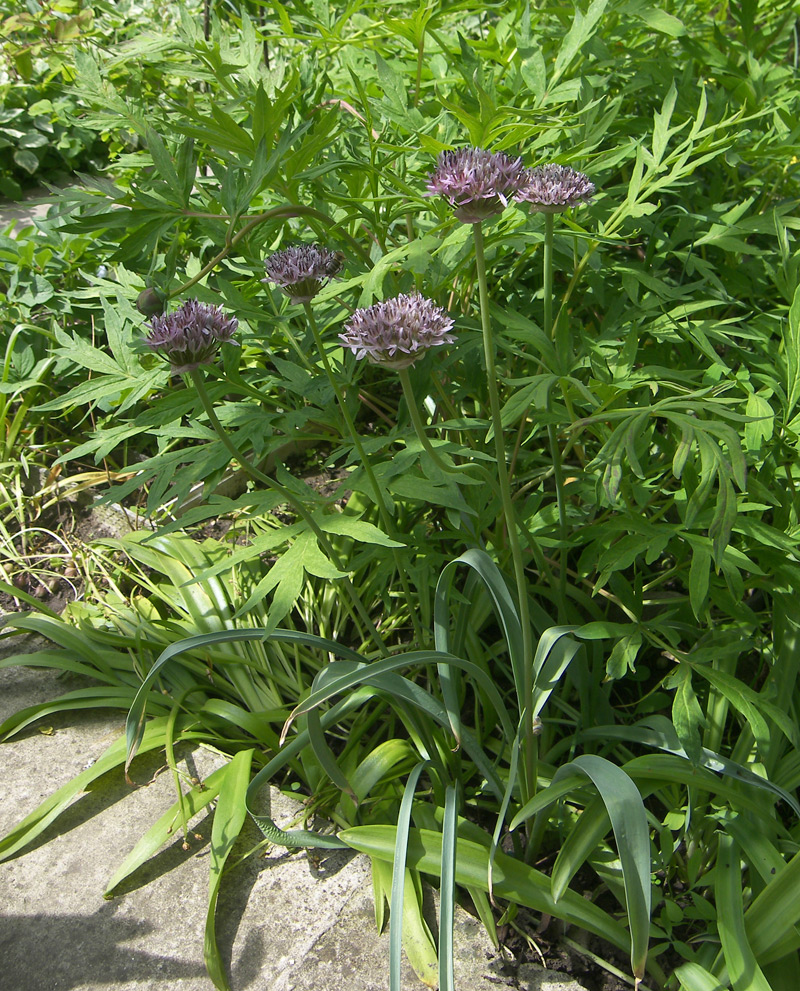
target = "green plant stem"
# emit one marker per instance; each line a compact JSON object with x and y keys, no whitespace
{"x":563,"y":532}
{"x":288,"y":497}
{"x":529,"y":741}
{"x":419,"y":429}
{"x":380,"y":502}
{"x":555,"y":451}
{"x":549,"y":226}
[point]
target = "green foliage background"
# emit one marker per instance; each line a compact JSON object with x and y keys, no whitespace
{"x":671,"y":384}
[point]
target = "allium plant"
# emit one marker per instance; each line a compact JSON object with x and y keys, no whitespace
{"x":478,"y":184}
{"x":302,"y":270}
{"x":554,"y":188}
{"x":191,"y":336}
{"x":398,"y":332}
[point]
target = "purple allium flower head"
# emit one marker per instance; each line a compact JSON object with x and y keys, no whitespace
{"x":554,"y":188}
{"x":397,"y":332}
{"x":303,"y":270}
{"x":479,"y":184}
{"x":190,"y":336}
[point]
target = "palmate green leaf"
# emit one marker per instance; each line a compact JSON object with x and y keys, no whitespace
{"x":699,"y":575}
{"x":741,"y":962}
{"x":288,"y":576}
{"x":725,"y":511}
{"x":229,"y":817}
{"x":661,"y":21}
{"x":360,"y":530}
{"x":163,"y":163}
{"x":761,"y":427}
{"x":581,"y":30}
{"x":622,"y":658}
{"x":687,"y":714}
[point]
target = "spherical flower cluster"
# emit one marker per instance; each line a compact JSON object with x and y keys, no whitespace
{"x":479,"y":184}
{"x":190,"y":336}
{"x":397,"y":332}
{"x":303,"y":270}
{"x":553,"y":188}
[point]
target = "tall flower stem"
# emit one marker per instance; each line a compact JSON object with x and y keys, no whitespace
{"x":430,"y":450}
{"x":380,"y":502}
{"x":555,"y":450}
{"x":529,"y":740}
{"x":549,"y":225}
{"x":288,"y":497}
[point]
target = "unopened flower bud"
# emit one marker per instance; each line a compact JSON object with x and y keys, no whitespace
{"x":150,"y":303}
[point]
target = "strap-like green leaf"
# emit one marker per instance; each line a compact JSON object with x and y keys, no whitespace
{"x":229,"y":817}
{"x":743,"y":968}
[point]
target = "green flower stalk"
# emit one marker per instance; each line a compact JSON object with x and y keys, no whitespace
{"x":479,"y":185}
{"x":551,"y":189}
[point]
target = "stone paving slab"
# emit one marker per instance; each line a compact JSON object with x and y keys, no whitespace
{"x":283,"y":924}
{"x":23,"y":213}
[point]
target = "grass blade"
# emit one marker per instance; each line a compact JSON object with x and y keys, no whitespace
{"x":447,"y":890}
{"x":229,"y":817}
{"x":52,"y":807}
{"x":399,"y":877}
{"x":743,"y":968}
{"x":164,"y":828}
{"x":513,"y":879}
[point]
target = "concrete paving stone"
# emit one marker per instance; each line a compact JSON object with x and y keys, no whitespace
{"x":25,"y":212}
{"x":284,"y":923}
